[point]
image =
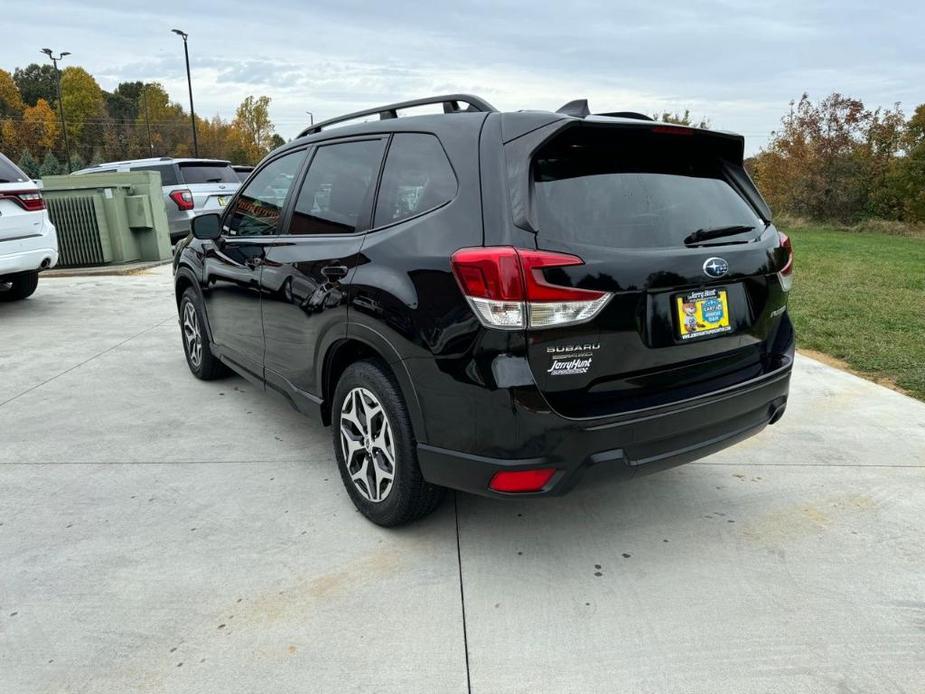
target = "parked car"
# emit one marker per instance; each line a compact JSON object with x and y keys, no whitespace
{"x":191,"y":186}
{"x":495,"y":302}
{"x":242,"y":170}
{"x":28,"y":241}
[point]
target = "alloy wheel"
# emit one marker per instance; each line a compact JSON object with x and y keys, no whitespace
{"x":367,"y":445}
{"x":192,"y":336}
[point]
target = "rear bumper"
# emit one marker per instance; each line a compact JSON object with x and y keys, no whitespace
{"x":637,"y":443}
{"x":35,"y":252}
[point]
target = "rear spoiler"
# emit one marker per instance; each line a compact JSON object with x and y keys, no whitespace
{"x":520,"y":150}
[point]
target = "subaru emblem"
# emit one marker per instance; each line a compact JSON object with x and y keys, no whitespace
{"x":715,"y":267}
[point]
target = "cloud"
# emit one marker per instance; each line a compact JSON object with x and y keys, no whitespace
{"x":734,"y":61}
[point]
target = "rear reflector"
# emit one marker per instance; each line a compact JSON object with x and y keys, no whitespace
{"x":183,"y":199}
{"x":514,"y":481}
{"x":29,"y":200}
{"x":506,"y":288}
{"x":785,"y":274}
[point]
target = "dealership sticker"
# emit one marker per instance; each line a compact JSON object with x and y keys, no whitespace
{"x":571,"y":360}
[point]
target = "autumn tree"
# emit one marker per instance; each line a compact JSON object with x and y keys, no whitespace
{"x":254,"y":128}
{"x":84,"y":109}
{"x":829,"y":159}
{"x":40,"y":128}
{"x":11,"y":104}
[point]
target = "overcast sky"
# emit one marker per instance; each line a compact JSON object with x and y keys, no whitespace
{"x":736,"y":62}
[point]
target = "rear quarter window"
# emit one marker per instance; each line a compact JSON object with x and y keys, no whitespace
{"x":10,"y":173}
{"x":167,"y":171}
{"x":204,"y":172}
{"x":417,"y":178}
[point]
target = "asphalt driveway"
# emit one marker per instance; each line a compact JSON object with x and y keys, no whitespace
{"x":158,"y":533}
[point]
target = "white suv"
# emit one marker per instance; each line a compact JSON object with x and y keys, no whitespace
{"x":28,"y":241}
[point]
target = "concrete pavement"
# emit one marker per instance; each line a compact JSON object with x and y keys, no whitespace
{"x":158,"y":533}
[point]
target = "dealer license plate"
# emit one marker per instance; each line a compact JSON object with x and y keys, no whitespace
{"x":703,"y":313}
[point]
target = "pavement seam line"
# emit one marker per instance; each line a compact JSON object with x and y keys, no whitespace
{"x":462,"y":593}
{"x":85,"y":361}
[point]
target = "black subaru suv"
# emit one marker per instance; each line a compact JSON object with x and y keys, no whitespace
{"x":494,"y":302}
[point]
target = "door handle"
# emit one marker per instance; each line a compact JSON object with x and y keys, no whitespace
{"x":334,"y":272}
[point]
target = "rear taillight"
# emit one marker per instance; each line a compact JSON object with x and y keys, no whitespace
{"x":29,"y":200}
{"x":785,"y":274}
{"x":183,"y":199}
{"x":520,"y":481}
{"x":506,"y":288}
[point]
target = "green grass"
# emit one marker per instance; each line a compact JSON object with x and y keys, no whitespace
{"x":860,"y":297}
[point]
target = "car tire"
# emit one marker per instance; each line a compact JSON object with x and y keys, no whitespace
{"x":21,"y":286}
{"x":202,"y":363}
{"x":368,"y":394}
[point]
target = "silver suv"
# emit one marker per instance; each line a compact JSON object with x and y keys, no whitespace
{"x":191,"y":186}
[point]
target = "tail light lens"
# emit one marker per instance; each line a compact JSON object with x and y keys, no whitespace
{"x":183,"y":199}
{"x":29,"y":200}
{"x":785,"y":274}
{"x":506,"y":288}
{"x":519,"y":481}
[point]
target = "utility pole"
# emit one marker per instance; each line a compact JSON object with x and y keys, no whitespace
{"x":144,"y":95}
{"x":54,"y":60}
{"x":189,"y":81}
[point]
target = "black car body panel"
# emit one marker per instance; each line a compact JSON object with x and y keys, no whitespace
{"x":290,"y":310}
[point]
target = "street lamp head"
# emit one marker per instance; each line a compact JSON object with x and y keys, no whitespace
{"x":65,"y":53}
{"x":47,"y":51}
{"x":180,"y":33}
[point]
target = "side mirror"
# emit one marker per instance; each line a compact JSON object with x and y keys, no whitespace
{"x":207,"y":227}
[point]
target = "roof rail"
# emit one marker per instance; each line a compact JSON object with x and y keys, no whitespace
{"x":450,"y":105}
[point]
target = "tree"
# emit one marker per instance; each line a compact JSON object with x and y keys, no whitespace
{"x":84,"y":107}
{"x":254,"y":128}
{"x":9,"y":135}
{"x":907,"y":177}
{"x":678,"y":118}
{"x":40,"y":127}
{"x":829,"y":158}
{"x":122,"y":104}
{"x":36,"y":82}
{"x":28,"y":164}
{"x":169,"y":125}
{"x":11,"y":104}
{"x":50,"y":166}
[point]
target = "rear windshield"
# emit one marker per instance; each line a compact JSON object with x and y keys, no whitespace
{"x":205,"y":172}
{"x":634,"y":189}
{"x":10,"y":173}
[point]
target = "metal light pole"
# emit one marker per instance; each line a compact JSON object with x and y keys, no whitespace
{"x":311,"y":118}
{"x":67,"y":145}
{"x":189,"y":81}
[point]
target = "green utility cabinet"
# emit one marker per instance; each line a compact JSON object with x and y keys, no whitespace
{"x":106,"y":219}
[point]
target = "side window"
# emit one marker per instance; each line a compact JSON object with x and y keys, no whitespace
{"x":338,"y":190}
{"x":257,"y":209}
{"x":167,"y":171}
{"x":417,"y":178}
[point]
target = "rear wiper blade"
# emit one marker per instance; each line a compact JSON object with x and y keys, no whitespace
{"x":715,"y":233}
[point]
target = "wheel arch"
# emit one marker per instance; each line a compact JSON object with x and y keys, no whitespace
{"x":185,"y":279}
{"x":369,"y":345}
